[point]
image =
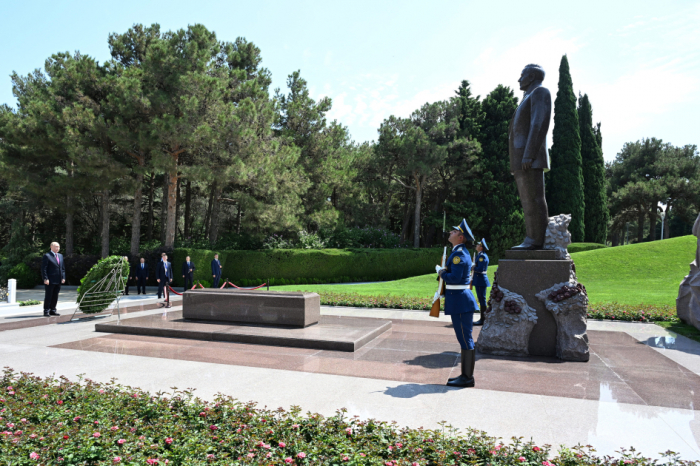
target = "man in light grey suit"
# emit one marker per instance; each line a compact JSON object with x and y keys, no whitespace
{"x":527,"y":147}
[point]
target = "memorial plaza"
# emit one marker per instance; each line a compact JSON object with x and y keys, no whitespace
{"x":640,"y":389}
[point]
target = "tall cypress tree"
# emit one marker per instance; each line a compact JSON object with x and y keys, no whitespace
{"x":565,"y":179}
{"x":596,"y":199}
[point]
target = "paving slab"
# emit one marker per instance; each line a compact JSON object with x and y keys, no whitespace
{"x":603,"y":413}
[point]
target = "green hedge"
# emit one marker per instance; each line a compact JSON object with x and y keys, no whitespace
{"x":580,"y":247}
{"x":26,"y":277}
{"x":310,"y":265}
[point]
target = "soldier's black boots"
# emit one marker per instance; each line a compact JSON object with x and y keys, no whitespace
{"x":466,"y":379}
{"x":480,"y":321}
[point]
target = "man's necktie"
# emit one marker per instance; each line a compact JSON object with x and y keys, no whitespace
{"x":58,"y":261}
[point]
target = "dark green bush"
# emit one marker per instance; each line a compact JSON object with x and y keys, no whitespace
{"x":580,"y":247}
{"x":97,"y":273}
{"x":26,"y":277}
{"x":312,"y":265}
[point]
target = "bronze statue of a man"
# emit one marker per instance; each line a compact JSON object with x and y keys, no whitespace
{"x":527,"y":146}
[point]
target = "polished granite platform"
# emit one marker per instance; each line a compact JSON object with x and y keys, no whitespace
{"x":331,"y":333}
{"x":621,"y":368}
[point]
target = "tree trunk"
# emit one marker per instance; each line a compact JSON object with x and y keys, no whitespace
{"x":178,"y":211}
{"x":69,"y":218}
{"x":188,"y":203}
{"x":653,"y":214}
{"x":416,"y":213}
{"x":406,"y":216}
{"x":69,"y":226}
{"x":163,"y":209}
{"x":615,"y":238}
{"x":172,"y":178}
{"x":105,"y":223}
{"x":214,"y":229}
{"x":207,"y":218}
{"x":640,"y":224}
{"x":430,"y":237}
{"x":387,"y":206}
{"x":136,"y":217}
{"x":151,"y":193}
{"x":171,"y":218}
{"x":239,"y":216}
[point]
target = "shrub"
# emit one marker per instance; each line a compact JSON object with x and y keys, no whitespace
{"x":355,"y":237}
{"x":77,"y":266}
{"x":580,"y":247}
{"x":99,"y":271}
{"x":26,"y":277}
{"x":29,"y":302}
{"x":313,"y":265}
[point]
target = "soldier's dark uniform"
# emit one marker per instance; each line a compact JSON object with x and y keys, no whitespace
{"x":460,"y":305}
{"x":480,"y":280}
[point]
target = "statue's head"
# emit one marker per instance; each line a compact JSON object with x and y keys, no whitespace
{"x":531,"y":73}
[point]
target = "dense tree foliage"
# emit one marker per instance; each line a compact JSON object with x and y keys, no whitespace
{"x":564,"y":182}
{"x":646,"y":176}
{"x":178,"y":141}
{"x":595,"y":196}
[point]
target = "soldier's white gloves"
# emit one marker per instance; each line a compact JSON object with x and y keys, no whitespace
{"x":438,"y":268}
{"x":436,"y":296}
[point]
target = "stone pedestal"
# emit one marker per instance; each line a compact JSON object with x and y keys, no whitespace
{"x":527,"y":273}
{"x":252,"y":307}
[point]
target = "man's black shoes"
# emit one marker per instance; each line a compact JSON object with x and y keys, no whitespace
{"x":53,"y":312}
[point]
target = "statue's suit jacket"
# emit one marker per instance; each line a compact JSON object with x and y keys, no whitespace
{"x":527,"y":133}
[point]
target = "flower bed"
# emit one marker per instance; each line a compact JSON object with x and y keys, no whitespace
{"x":633,"y":312}
{"x":55,"y":421}
{"x":611,"y":311}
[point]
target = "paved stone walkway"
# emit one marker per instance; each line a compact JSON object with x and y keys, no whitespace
{"x":640,"y":389}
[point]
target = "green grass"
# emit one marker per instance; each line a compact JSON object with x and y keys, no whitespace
{"x":646,"y":273}
{"x":580,"y":247}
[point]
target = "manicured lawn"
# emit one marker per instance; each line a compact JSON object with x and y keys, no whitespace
{"x":647,"y":273}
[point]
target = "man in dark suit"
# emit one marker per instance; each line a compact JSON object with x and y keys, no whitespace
{"x":527,"y":147}
{"x":53,"y":272}
{"x":164,"y":275}
{"x":188,"y":269}
{"x":216,"y":270}
{"x":141,"y":276}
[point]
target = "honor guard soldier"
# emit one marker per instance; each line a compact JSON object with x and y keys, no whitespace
{"x":459,"y":301}
{"x":480,"y":280}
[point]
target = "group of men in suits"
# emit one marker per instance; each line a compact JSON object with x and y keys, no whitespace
{"x":164,"y":274}
{"x":53,"y":273}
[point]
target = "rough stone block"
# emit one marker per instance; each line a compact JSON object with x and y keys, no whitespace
{"x":527,"y":278}
{"x":252,"y":307}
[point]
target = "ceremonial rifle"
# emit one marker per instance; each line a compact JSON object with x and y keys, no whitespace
{"x":471,"y":276}
{"x":435,"y":309}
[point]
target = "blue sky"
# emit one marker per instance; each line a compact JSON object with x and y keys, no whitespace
{"x":639,"y":61}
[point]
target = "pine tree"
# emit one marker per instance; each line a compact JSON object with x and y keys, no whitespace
{"x":565,"y":180}
{"x":595,"y":196}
